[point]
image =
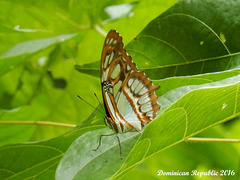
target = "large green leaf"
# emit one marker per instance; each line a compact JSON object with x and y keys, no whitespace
{"x":43,"y":156}
{"x":78,"y":167}
{"x":222,"y":95}
{"x":195,"y":124}
{"x":191,"y":114}
{"x":187,"y":157}
{"x":196,"y":111}
{"x":186,"y":40}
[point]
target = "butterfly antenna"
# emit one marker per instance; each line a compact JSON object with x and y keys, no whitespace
{"x":90,"y":105}
{"x":99,"y":101}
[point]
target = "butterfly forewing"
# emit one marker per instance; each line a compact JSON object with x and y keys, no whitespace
{"x":129,"y":96}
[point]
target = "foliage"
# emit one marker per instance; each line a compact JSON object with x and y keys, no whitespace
{"x":51,"y":53}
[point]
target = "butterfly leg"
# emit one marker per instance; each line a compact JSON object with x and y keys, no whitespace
{"x":120,"y":148}
{"x":100,"y":142}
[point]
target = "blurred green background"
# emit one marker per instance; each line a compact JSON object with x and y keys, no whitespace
{"x":42,"y":82}
{"x":41,"y":41}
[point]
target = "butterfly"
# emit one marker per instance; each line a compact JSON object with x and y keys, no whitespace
{"x":128,"y":94}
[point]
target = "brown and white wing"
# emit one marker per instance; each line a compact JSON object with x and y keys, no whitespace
{"x":116,"y":64}
{"x":137,"y":102}
{"x":129,"y":96}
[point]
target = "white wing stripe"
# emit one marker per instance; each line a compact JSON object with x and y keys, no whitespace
{"x":116,"y":71}
{"x":126,"y":110}
{"x":110,"y":42}
{"x":143,"y":90}
{"x":146,"y":107}
{"x":130,"y":81}
{"x":143,"y":99}
{"x":138,"y":88}
{"x":111,"y":57}
{"x":134,"y":84}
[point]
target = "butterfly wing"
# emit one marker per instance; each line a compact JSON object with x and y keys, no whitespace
{"x":115,"y":62}
{"x":129,"y":96}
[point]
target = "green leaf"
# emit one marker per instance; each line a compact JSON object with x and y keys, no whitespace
{"x":22,"y":51}
{"x":177,"y":42}
{"x":169,"y":84}
{"x":184,"y":118}
{"x":41,"y":156}
{"x":221,"y":95}
{"x":182,"y":85}
{"x":16,"y":133}
{"x":73,"y":166}
{"x":189,"y":156}
{"x":91,"y":68}
{"x":198,"y":110}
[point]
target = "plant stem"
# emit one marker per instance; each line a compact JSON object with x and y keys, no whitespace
{"x":196,"y":139}
{"x":40,"y":123}
{"x":100,"y":30}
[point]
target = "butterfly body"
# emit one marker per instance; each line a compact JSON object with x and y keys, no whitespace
{"x":128,"y":95}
